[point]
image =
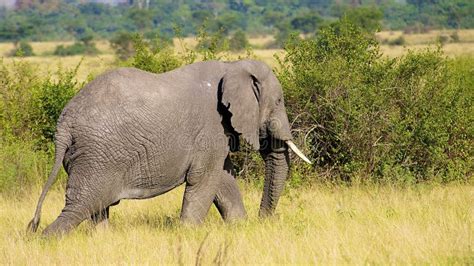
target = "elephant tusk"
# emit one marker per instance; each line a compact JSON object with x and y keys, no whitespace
{"x":297,"y":151}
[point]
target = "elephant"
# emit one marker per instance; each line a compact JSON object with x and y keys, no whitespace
{"x":131,"y":134}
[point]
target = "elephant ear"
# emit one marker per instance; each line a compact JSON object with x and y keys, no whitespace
{"x":240,"y":96}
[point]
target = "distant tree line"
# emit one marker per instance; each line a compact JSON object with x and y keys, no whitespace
{"x":72,"y":19}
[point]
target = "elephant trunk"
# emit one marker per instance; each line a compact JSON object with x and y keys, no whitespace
{"x":276,"y":171}
{"x":277,"y":161}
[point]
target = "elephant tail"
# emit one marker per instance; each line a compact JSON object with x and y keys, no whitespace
{"x":62,"y":143}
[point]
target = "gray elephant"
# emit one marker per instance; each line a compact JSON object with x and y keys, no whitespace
{"x":130,"y":134}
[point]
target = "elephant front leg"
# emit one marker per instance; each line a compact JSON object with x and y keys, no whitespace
{"x":198,"y":197}
{"x":229,"y":200}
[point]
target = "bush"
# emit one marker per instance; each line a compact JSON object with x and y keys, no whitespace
{"x":16,"y":102}
{"x":23,"y":48}
{"x":77,"y":48}
{"x":238,"y":41}
{"x":122,"y":43}
{"x":30,"y":104}
{"x":442,"y":39}
{"x":368,"y":116}
{"x":153,"y":57}
{"x":211,"y":46}
{"x":49,"y":99}
{"x":397,"y":41}
{"x":455,"y":37}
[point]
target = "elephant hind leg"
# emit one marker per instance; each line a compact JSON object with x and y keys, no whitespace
{"x":229,"y":200}
{"x":101,"y":217}
{"x":65,"y":222}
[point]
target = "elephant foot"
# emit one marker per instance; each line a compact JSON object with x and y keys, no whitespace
{"x":62,"y":225}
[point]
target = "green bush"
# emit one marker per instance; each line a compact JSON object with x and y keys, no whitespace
{"x":78,"y":48}
{"x":23,"y":48}
{"x":122,"y":43}
{"x":397,"y":41}
{"x":238,"y":41}
{"x":455,"y":37}
{"x":49,"y":99}
{"x":153,"y":56}
{"x":211,"y":45}
{"x":442,"y":39}
{"x":368,"y":116}
{"x":16,"y":102}
{"x":30,"y":104}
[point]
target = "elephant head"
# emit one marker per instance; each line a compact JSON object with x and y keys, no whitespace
{"x":252,"y":99}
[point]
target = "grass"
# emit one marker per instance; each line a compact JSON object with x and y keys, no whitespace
{"x":465,"y":36}
{"x":423,"y":224}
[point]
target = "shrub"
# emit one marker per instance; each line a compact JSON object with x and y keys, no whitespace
{"x":442,"y":39}
{"x":16,"y":83}
{"x":211,"y":46}
{"x":238,"y":41}
{"x":153,"y":57}
{"x":455,"y":37}
{"x":23,"y":48}
{"x":397,"y":41}
{"x":49,"y":99}
{"x":30,"y":104}
{"x":77,"y":48}
{"x":364,"y":115}
{"x":122,"y":43}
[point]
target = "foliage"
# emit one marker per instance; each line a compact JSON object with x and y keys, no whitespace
{"x":238,"y":41}
{"x":22,"y":48}
{"x":363,"y":115}
{"x":211,"y":45}
{"x":400,"y":40}
{"x":367,"y":18}
{"x":78,"y":48}
{"x":71,"y":19}
{"x":49,"y":99}
{"x":306,"y":22}
{"x":153,"y":56}
{"x":31,"y":104}
{"x":122,"y":43}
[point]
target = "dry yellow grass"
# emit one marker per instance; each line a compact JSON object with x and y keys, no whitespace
{"x":464,"y":47}
{"x":450,"y":49}
{"x":357,"y":225}
{"x":427,"y":38}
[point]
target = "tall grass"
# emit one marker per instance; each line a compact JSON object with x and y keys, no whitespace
{"x":316,"y":224}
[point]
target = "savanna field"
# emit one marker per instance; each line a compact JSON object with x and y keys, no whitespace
{"x":394,"y":186}
{"x":426,"y":224}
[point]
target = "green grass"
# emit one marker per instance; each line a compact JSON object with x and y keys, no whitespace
{"x":421,"y":224}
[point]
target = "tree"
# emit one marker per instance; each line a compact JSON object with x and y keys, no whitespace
{"x":306,"y":22}
{"x":238,"y":41}
{"x":368,"y":18}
